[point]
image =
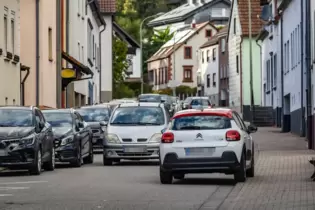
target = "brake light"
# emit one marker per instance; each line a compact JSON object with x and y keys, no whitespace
{"x":233,"y":135}
{"x":167,"y":138}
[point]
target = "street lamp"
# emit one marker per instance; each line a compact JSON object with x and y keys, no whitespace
{"x":141,"y":55}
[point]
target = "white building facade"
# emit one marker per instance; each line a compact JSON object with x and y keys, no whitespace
{"x":10,"y":52}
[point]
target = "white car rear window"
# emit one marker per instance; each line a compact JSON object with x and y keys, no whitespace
{"x":201,"y":122}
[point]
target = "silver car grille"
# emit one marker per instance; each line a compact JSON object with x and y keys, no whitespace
{"x":5,"y":143}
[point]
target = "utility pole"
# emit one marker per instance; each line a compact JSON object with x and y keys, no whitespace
{"x":252,"y":102}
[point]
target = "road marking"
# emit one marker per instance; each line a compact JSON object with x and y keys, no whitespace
{"x":14,"y":188}
{"x":29,"y":182}
{"x":5,"y":195}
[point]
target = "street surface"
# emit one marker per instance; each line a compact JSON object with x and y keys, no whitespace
{"x":281,"y":182}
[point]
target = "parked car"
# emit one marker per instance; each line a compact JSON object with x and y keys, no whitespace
{"x":197,"y":102}
{"x":26,"y":140}
{"x":96,"y":117}
{"x":134,"y":132}
{"x":185,"y":103}
{"x":207,"y":141}
{"x":167,"y":100}
{"x":73,"y":137}
{"x":150,"y":97}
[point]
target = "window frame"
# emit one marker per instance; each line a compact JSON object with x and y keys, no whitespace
{"x":208,"y":31}
{"x":190,"y":70}
{"x":190,"y":56}
{"x":50,"y":44}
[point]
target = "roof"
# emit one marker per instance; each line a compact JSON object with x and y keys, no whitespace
{"x":146,"y":104}
{"x":107,"y":6}
{"x":95,"y":7}
{"x":243,"y":16}
{"x":179,"y":39}
{"x":212,"y":41}
{"x":215,"y":112}
{"x":58,"y":110}
{"x":17,"y":107}
{"x":184,"y":12}
{"x":121,"y":33}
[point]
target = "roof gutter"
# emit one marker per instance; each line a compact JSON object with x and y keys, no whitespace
{"x":27,"y":69}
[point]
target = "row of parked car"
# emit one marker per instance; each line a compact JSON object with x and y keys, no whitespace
{"x":34,"y":139}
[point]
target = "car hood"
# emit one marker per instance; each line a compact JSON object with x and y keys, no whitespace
{"x":94,"y":124}
{"x":128,"y":132}
{"x":15,"y":132}
{"x":60,"y":132}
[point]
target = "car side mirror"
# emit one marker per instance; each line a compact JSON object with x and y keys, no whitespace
{"x":80,"y":125}
{"x":163,"y":130}
{"x":163,"y":101}
{"x":103,"y":123}
{"x":41,"y":125}
{"x":252,"y":128}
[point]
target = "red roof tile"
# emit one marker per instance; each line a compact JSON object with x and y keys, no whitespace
{"x":107,"y":6}
{"x":243,"y":15}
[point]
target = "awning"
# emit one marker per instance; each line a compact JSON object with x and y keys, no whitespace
{"x":76,"y":64}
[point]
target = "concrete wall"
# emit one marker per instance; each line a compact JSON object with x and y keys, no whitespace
{"x":47,"y":66}
{"x":10,"y":72}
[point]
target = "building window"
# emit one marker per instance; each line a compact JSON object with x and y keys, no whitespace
{"x":285,"y":58}
{"x":188,"y":52}
{"x":79,"y":51}
{"x":50,"y":50}
{"x":208,"y":55}
{"x":208,"y":33}
{"x":162,"y":75}
{"x":155,"y":77}
{"x":214,"y":80}
{"x":234,"y":25}
{"x":5,"y":22}
{"x":13,"y":32}
{"x":275,"y":70}
{"x":214,"y":54}
{"x":288,"y":56}
{"x":90,"y":42}
{"x":223,"y":43}
{"x":165,"y":74}
{"x":202,"y":57}
{"x":208,"y":80}
{"x":268,"y":75}
{"x":291,"y":53}
{"x":187,"y":74}
{"x":237,"y":64}
{"x":271,"y":72}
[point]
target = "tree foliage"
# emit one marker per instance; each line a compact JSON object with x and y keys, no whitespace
{"x":120,"y":63}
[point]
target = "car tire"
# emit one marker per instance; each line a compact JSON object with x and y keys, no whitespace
{"x":78,"y":161}
{"x":251,"y":171}
{"x":50,"y":165}
{"x":36,"y":169}
{"x":240,"y":176}
{"x":166,"y":177}
{"x":107,"y":162}
{"x":90,"y":159}
{"x":179,"y":176}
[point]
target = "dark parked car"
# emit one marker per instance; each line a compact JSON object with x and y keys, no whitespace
{"x":73,"y":137}
{"x":96,"y":117}
{"x":150,"y":97}
{"x":26,"y":140}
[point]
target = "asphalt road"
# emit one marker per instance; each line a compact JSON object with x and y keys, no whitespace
{"x":128,"y":185}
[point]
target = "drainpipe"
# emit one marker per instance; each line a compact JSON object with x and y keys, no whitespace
{"x":282,"y":72}
{"x":302,"y":73}
{"x":100,"y":75}
{"x":37,"y":52}
{"x":58,"y":53}
{"x":67,"y":43}
{"x":260,"y":50}
{"x":308,"y":74}
{"x":27,"y":69}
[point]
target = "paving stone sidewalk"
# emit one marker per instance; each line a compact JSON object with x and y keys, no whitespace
{"x":282,"y":178}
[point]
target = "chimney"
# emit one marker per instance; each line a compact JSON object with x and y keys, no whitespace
{"x":190,"y":2}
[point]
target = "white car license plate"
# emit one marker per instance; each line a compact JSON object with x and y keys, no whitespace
{"x":135,"y":149}
{"x":199,"y":151}
{"x":3,"y":152}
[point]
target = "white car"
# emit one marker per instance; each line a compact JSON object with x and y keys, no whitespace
{"x":134,"y":132}
{"x":207,"y":141}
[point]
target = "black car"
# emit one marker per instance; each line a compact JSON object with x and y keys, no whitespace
{"x":167,"y":101}
{"x":96,"y":117}
{"x":73,"y":137}
{"x":26,"y":140}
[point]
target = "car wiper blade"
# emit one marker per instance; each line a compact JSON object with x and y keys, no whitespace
{"x":148,"y":123}
{"x":121,"y":123}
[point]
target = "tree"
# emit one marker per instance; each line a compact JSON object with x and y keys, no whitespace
{"x":160,"y":37}
{"x":120,"y":63}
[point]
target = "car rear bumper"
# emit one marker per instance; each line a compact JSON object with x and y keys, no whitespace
{"x":19,"y":159}
{"x":120,"y":151}
{"x":227,"y":163}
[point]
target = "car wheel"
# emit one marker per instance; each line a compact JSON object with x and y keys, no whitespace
{"x":107,"y":162}
{"x":240,"y":176}
{"x":251,"y":171}
{"x":90,"y":159}
{"x":50,"y":165}
{"x":78,"y":161}
{"x":166,"y":177}
{"x":179,"y":176}
{"x":37,"y":167}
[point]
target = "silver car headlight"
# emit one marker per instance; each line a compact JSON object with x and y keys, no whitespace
{"x":112,"y":138}
{"x":28,"y":140}
{"x":155,"y":138}
{"x":67,"y":140}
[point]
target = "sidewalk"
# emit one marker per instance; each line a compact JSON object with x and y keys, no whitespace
{"x":282,"y":178}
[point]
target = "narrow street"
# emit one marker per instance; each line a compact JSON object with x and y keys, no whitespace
{"x":281,"y":182}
